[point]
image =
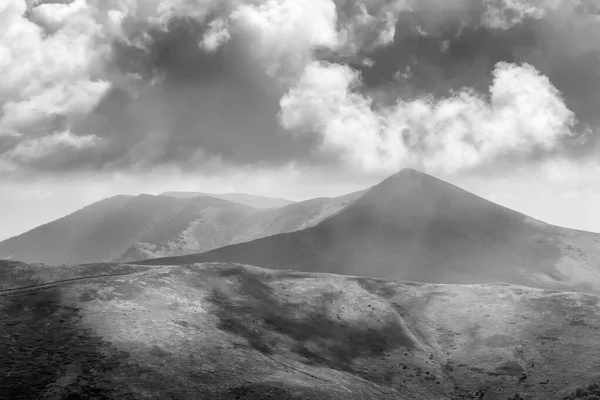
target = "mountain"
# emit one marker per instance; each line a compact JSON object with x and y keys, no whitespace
{"x":414,"y":226}
{"x":127,"y":228}
{"x":242,"y":198}
{"x":105,"y":230}
{"x":227,"y":331}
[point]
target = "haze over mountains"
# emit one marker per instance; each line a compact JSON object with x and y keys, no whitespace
{"x":417,"y":227}
{"x":127,"y":228}
{"x":242,"y":198}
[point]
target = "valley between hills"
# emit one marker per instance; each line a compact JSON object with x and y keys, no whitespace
{"x":412,"y":289}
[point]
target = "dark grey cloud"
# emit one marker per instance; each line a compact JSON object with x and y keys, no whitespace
{"x":190,"y":105}
{"x":442,"y":51}
{"x":171,"y":101}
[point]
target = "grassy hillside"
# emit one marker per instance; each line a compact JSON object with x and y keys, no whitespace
{"x":226,"y":331}
{"x":413,"y":226}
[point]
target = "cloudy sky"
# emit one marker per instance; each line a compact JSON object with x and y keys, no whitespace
{"x":298,"y":99}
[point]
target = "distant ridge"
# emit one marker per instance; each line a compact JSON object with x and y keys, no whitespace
{"x":414,"y":226}
{"x":127,"y":228}
{"x":242,"y":198}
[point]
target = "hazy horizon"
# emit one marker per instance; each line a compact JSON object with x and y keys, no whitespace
{"x":524,"y":198}
{"x":298,"y":100}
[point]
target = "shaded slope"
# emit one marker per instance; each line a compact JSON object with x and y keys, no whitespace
{"x":413,"y":226}
{"x":223,"y":331}
{"x":242,"y":198}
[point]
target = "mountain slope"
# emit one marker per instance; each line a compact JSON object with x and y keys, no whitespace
{"x":242,"y":198}
{"x":127,"y":228}
{"x":105,"y":230}
{"x":225,"y":331}
{"x":414,"y":226}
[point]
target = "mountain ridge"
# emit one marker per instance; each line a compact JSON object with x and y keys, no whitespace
{"x":417,"y":227}
{"x":242,"y":198}
{"x":126,"y":228}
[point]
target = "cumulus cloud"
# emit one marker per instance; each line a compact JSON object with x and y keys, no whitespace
{"x":524,"y":112}
{"x":48,"y":62}
{"x":131,"y":84}
{"x":282,"y":34}
{"x":504,"y":14}
{"x":35,"y":149}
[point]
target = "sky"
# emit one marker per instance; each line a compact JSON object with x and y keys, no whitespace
{"x":298,"y":99}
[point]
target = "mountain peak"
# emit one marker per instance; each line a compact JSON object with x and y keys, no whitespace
{"x":408,"y":175}
{"x":409,"y":171}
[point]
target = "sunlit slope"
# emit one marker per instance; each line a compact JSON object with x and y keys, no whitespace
{"x":414,"y":226}
{"x":125,"y":228}
{"x":224,"y":331}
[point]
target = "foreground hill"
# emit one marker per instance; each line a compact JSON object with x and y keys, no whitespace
{"x":128,"y":228}
{"x":242,"y":198}
{"x":416,"y":227}
{"x":226,"y":331}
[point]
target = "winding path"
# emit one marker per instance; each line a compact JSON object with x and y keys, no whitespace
{"x":42,"y":286}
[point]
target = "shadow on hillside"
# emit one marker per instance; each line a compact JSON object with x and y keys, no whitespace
{"x":257,"y":315}
{"x":47,"y":354}
{"x":377,"y":287}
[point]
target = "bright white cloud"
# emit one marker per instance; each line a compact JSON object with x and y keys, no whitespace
{"x":38,"y":148}
{"x":48,"y":63}
{"x":217,"y":35}
{"x":524,"y":112}
{"x":372,"y":25}
{"x":282,"y":34}
{"x":504,"y":14}
{"x":52,"y":59}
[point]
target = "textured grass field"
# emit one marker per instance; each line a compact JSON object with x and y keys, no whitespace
{"x":227,"y":331}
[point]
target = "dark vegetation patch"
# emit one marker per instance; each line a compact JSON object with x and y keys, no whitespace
{"x":378,"y":287}
{"x":88,"y":294}
{"x":590,"y":392}
{"x":259,"y":316}
{"x":264,"y":391}
{"x":260,"y":391}
{"x":231,"y":271}
{"x":510,"y":368}
{"x":41,"y":340}
{"x":182,"y":323}
{"x":156,"y":351}
{"x":443,"y":294}
{"x":550,"y":338}
{"x":410,"y":283}
{"x":289,"y":275}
